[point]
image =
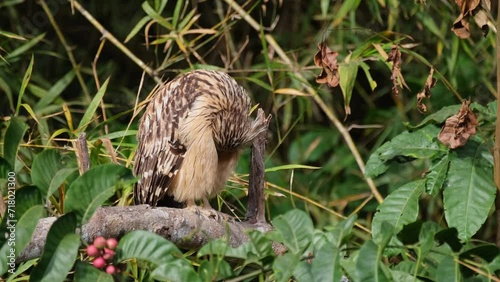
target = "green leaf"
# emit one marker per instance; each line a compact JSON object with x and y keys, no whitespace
{"x":55,"y":90}
{"x":470,"y":191}
{"x":215,"y":269}
{"x":85,"y":272}
{"x":25,"y":47}
{"x":13,"y":137}
{"x":399,"y":208}
{"x":89,"y":113}
{"x":177,"y":270}
{"x":326,"y":263}
{"x":448,"y":270}
{"x":366,"y":69}
{"x":342,"y":230}
{"x":368,"y":266}
{"x":58,"y":179}
{"x":44,"y":168}
{"x":348,"y":72}
{"x":26,"y":225}
{"x":284,"y":266}
{"x":93,"y":188}
{"x":24,"y":84}
{"x":23,"y":210}
{"x":146,"y":246}
{"x":60,"y":251}
{"x":156,"y":16}
{"x":296,"y":229}
{"x":419,"y":144}
{"x":437,"y":175}
{"x":347,"y":6}
{"x":137,"y":27}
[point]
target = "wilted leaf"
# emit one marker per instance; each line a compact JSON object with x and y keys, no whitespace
{"x":327,"y":59}
{"x":459,"y":128}
{"x":426,"y":93}
{"x":479,"y":9}
{"x":397,"y":78}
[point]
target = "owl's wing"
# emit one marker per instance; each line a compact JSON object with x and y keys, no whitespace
{"x":160,"y":153}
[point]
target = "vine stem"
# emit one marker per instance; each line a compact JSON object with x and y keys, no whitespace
{"x":319,"y":101}
{"x":496,"y":148}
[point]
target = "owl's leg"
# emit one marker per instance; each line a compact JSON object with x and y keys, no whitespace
{"x":206,"y":203}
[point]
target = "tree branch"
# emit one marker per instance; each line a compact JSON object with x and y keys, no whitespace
{"x":186,"y":228}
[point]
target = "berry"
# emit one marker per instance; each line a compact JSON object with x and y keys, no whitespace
{"x":112,"y":243}
{"x":108,"y":254}
{"x":100,"y":242}
{"x":111,"y":269}
{"x":92,"y":251}
{"x":99,"y":262}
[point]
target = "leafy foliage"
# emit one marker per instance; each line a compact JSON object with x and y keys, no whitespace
{"x":418,"y":210}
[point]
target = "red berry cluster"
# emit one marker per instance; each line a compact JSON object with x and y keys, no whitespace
{"x":103,"y":251}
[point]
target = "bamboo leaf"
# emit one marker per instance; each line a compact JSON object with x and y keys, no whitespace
{"x":87,"y":117}
{"x":55,"y":90}
{"x":26,"y":79}
{"x":25,"y":47}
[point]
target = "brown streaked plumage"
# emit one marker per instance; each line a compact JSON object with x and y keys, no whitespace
{"x":190,"y":137}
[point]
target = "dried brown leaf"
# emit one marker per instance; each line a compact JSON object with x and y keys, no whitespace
{"x":397,"y":78}
{"x":479,"y":9}
{"x":459,"y":128}
{"x":327,"y":60}
{"x":426,"y":93}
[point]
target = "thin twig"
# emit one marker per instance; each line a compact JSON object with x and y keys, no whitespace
{"x":329,"y":113}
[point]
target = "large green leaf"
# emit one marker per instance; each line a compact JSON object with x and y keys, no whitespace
{"x":85,"y":272}
{"x":399,"y":208}
{"x":60,"y":251}
{"x":146,"y":246}
{"x":93,"y":188}
{"x":44,"y":168}
{"x":13,"y":137}
{"x":470,"y":191}
{"x":296,"y":230}
{"x":419,"y":144}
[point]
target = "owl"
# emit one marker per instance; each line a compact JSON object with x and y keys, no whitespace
{"x":190,"y":138}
